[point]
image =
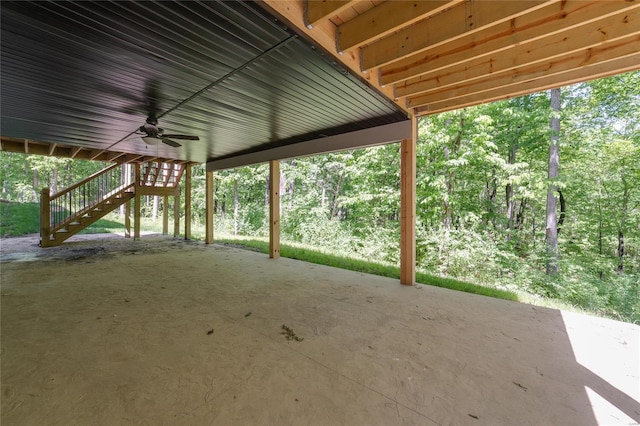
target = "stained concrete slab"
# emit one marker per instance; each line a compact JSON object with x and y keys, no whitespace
{"x":107,"y":331}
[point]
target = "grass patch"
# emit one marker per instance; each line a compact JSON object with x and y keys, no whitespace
{"x":316,"y":256}
{"x":18,"y":219}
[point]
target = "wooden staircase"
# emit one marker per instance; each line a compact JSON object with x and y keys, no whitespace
{"x":71,"y":210}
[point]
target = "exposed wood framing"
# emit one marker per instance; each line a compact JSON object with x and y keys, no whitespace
{"x":383,"y":20}
{"x":316,"y":12}
{"x":209,"y":208}
{"x":136,"y":203}
{"x":187,"y":202}
{"x":435,"y":56}
{"x":28,"y":146}
{"x":176,"y":215}
{"x":127,"y":219}
{"x":274,"y":209}
{"x":45,"y":218}
{"x":165,"y":214}
{"x":408,"y":206}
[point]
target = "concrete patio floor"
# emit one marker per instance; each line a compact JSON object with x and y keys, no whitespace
{"x":109,"y":331}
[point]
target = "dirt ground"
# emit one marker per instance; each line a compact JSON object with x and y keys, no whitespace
{"x":109,"y":331}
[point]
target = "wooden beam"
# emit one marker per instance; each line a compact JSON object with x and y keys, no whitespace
{"x":75,"y":150}
{"x":324,"y":34}
{"x":274,"y":209}
{"x":464,"y":18}
{"x":605,"y":53}
{"x":408,"y":206}
{"x":380,"y":135}
{"x":209,"y":182}
{"x":385,"y":18}
{"x":601,"y":70}
{"x":165,"y":214}
{"x":593,"y":41}
{"x":159,"y":191}
{"x":136,"y":205}
{"x":112,"y":156}
{"x":552,"y":19}
{"x":127,"y":219}
{"x":187,"y":202}
{"x":52,"y":149}
{"x":176,"y":215}
{"x":45,"y":218}
{"x":317,"y":11}
{"x":26,"y":146}
{"x":95,"y":153}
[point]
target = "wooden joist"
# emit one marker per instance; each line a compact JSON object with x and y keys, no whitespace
{"x":442,"y":55}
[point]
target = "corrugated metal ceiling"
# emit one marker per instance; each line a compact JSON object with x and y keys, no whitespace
{"x":78,"y":73}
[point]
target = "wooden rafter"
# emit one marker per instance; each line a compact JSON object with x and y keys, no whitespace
{"x":316,"y":12}
{"x":463,"y":18}
{"x":583,"y":40}
{"x":435,"y":56}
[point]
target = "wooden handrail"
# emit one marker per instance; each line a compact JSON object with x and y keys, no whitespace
{"x":82,"y":182}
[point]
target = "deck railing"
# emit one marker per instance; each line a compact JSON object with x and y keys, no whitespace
{"x":60,"y":209}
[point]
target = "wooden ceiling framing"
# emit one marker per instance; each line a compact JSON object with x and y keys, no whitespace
{"x":432,"y":56}
{"x":27,"y":146}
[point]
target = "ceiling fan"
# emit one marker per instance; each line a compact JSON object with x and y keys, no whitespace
{"x":152,"y":134}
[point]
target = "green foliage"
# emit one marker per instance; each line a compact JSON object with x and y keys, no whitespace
{"x":313,"y":255}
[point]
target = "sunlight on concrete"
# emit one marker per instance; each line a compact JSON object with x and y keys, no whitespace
{"x":611,"y":369}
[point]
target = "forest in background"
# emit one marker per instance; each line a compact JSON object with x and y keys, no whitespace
{"x":486,"y":177}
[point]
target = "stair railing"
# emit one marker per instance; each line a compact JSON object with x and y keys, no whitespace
{"x":62,"y":208}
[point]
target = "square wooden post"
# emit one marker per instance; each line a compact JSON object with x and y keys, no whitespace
{"x":45,"y":218}
{"x":274,"y":209}
{"x":165,"y":215}
{"x":209,"y":208}
{"x":187,"y":202}
{"x":127,"y":219}
{"x":408,"y":206}
{"x":176,"y":215}
{"x":137,"y":208}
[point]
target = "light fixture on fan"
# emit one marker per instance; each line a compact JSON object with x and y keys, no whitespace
{"x":151,"y":140}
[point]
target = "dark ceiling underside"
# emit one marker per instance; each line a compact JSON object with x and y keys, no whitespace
{"x":79,"y":73}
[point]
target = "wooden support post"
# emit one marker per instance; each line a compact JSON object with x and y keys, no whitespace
{"x":187,"y":203}
{"x":209,"y":208}
{"x":176,"y":215}
{"x":408,"y":206}
{"x":274,"y":209}
{"x":136,"y":205}
{"x":45,"y":218}
{"x":165,"y":215}
{"x":127,"y":219}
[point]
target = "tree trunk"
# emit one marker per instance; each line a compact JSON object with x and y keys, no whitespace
{"x":54,"y":181}
{"x":155,"y":207}
{"x":336,"y":194}
{"x":620,"y":252}
{"x":446,"y":205}
{"x":235,"y":205}
{"x":623,"y":222}
{"x":552,"y":174}
{"x":509,"y":196}
{"x":35,"y":184}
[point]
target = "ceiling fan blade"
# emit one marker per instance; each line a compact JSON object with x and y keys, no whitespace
{"x":183,"y":137}
{"x":169,"y":142}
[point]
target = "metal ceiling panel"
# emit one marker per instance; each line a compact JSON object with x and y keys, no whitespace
{"x":82,"y":73}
